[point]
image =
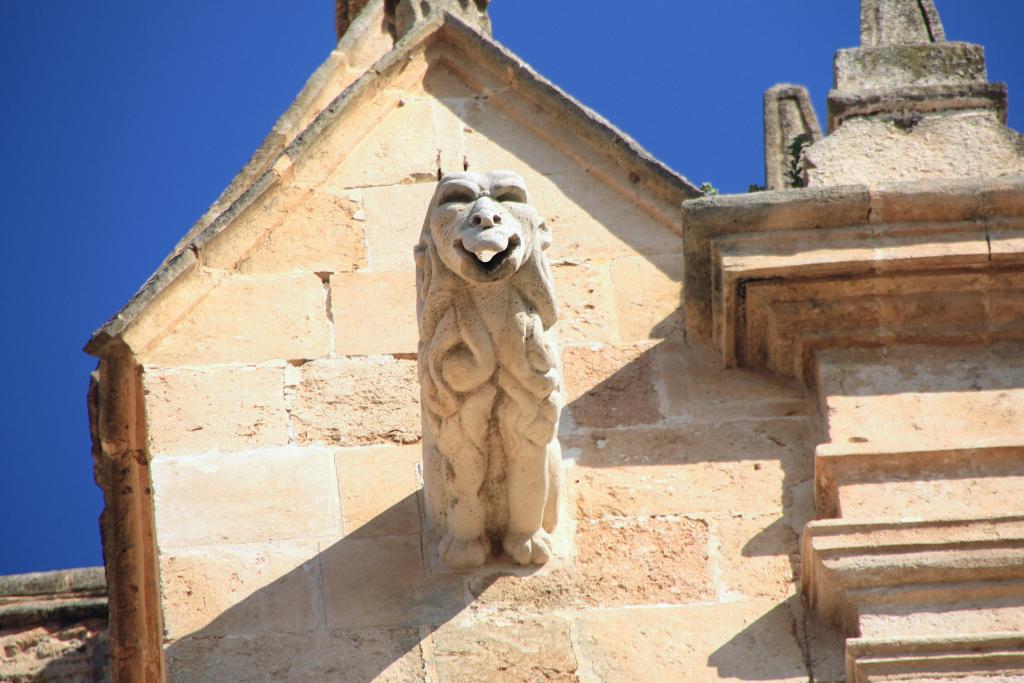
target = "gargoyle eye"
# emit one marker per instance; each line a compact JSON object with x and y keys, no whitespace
{"x":512,"y":194}
{"x":458,"y":195}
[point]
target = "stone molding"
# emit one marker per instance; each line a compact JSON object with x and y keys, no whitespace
{"x":937,"y":596}
{"x":773,"y":276}
{"x":903,"y":105}
{"x":992,"y":656}
{"x":65,"y":595}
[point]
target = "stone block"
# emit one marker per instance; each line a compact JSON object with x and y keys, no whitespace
{"x":702,"y":468}
{"x":619,"y":561}
{"x":249,"y":320}
{"x":381,"y":581}
{"x":399,"y":149}
{"x":394,"y":219}
{"x":931,"y":491}
{"x":873,"y":151}
{"x":523,"y":650}
{"x":390,"y":655}
{"x":174,"y":292}
{"x":356,"y":402}
{"x":694,"y":383}
{"x":584,"y":302}
{"x":241,"y":589}
{"x":374,"y":313}
{"x":893,"y":66}
{"x":759,"y":555}
{"x":610,"y":386}
{"x":236,"y":408}
{"x":945,"y":397}
{"x":267,"y":495}
{"x":309,"y":230}
{"x":319,"y":235}
{"x":741,"y":641}
{"x":378,"y":490}
{"x":648,"y":296}
{"x":225,"y":249}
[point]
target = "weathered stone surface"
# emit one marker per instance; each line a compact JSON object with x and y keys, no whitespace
{"x":935,"y":146}
{"x":741,"y":641}
{"x":909,"y":65}
{"x":53,"y":626}
{"x":409,"y":13}
{"x":945,"y":397}
{"x":55,"y":652}
{"x":789,"y":120}
{"x":900,"y":22}
{"x":491,"y":378}
{"x":286,"y":318}
{"x":387,"y":655}
{"x":611,"y":386}
{"x":240,"y":589}
{"x":619,"y":561}
{"x":306,"y":230}
{"x":585,"y":312}
{"x":699,"y":468}
{"x":380,"y":581}
{"x":400,"y":149}
{"x":394,"y":218}
{"x":513,"y":651}
{"x":226,"y":498}
{"x":374,"y":313}
{"x":378,"y":490}
{"x":235,"y":408}
{"x":694,"y":383}
{"x":759,"y":555}
{"x":648,"y":294}
{"x":358,"y":401}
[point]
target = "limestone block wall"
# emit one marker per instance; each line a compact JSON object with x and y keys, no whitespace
{"x":282,"y":426}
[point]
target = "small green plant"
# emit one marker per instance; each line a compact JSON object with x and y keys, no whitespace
{"x":754,"y":187}
{"x":708,"y":189}
{"x":795,"y":170}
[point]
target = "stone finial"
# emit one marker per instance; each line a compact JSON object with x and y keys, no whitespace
{"x":489,"y":369}
{"x":790,"y":125}
{"x":345,"y":12}
{"x":408,"y":13}
{"x":899,"y":22}
{"x":402,"y":15}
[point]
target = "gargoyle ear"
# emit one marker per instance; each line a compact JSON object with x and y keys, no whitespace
{"x":543,"y":236}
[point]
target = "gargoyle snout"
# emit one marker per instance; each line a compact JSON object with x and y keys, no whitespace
{"x":486,"y":219}
{"x":485,"y":213}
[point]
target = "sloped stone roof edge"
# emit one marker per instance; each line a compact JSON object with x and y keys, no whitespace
{"x":184,"y":257}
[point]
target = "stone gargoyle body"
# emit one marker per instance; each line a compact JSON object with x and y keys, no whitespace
{"x":489,"y":370}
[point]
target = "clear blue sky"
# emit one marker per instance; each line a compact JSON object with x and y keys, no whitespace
{"x":121,"y":121}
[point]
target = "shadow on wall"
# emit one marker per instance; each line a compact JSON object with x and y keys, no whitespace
{"x":368,"y":601}
{"x":367,"y":606}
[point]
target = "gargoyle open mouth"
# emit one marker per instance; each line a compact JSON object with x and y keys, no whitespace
{"x":489,"y":259}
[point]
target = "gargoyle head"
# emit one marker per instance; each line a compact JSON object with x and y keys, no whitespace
{"x":482,"y":225}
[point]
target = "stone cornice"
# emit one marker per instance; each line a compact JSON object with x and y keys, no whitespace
{"x":774,"y":276}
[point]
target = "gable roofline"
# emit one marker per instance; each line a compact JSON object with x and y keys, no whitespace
{"x":264,"y":171}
